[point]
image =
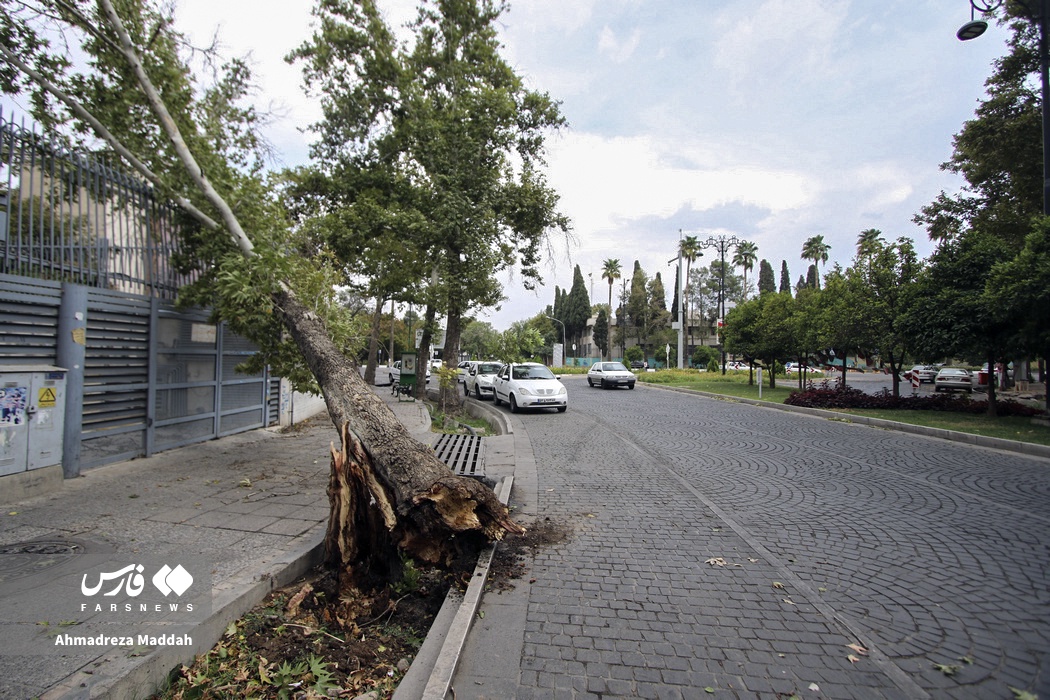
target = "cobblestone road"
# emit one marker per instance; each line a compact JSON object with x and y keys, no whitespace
{"x":723,"y":547}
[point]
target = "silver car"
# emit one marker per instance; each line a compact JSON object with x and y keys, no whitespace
{"x":953,"y":379}
{"x":609,"y":375}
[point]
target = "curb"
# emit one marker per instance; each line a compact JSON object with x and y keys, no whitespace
{"x":430,"y":675}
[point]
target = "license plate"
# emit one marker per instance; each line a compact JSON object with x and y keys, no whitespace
{"x":545,"y":400}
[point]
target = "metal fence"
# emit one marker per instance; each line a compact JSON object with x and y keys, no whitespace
{"x":82,"y":240}
{"x":70,"y":217}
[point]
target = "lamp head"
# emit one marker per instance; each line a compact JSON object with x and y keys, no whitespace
{"x":972,"y":30}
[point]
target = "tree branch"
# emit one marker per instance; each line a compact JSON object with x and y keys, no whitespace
{"x":105,"y":135}
{"x":172,"y":130}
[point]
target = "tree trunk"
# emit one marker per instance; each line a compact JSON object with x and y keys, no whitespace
{"x":425,"y":509}
{"x":423,"y":352}
{"x":373,"y":343}
{"x":451,"y":396}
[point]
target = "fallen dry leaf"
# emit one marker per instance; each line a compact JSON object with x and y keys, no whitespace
{"x":789,"y":601}
{"x":296,"y":600}
{"x":858,"y":648}
{"x":853,"y":659}
{"x":777,"y":584}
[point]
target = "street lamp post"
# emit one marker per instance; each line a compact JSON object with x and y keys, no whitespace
{"x":681,"y":309}
{"x":722,"y":243}
{"x":976,"y":27}
{"x":562,"y":337}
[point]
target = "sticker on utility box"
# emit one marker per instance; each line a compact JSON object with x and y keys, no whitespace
{"x":13,"y":405}
{"x":45,"y":397}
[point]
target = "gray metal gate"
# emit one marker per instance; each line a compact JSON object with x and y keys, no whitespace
{"x":153,"y":378}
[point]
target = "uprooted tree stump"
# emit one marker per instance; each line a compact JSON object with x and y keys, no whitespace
{"x":387,"y":490}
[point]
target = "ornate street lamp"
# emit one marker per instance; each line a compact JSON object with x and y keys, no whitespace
{"x":722,"y":243}
{"x":976,"y":27}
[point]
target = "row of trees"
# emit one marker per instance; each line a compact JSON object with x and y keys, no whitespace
{"x":983,"y":296}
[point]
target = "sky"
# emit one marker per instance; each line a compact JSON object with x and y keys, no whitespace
{"x":769,"y":120}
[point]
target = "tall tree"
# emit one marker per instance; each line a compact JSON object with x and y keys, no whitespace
{"x":638,"y":302}
{"x":880,"y":281}
{"x":785,"y":277}
{"x":766,"y":281}
{"x":601,"y":332}
{"x":744,"y":257}
{"x":817,"y":250}
{"x":578,"y":308}
{"x":812,"y":277}
{"x":611,"y":271}
{"x":1021,"y":289}
{"x":480,"y":183}
{"x":868,"y":242}
{"x":967,"y":323}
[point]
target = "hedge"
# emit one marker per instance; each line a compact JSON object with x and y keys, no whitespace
{"x":828,"y":396}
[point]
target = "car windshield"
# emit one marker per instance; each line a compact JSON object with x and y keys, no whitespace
{"x":532,"y":372}
{"x":488,"y":367}
{"x":953,"y":371}
{"x":614,"y":367}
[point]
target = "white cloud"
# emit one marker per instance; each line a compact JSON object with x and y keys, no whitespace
{"x":606,"y":183}
{"x":614,"y":48}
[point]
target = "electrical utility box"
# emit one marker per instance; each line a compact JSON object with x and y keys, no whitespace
{"x":32,"y":417}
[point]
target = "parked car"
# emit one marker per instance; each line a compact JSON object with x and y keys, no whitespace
{"x":480,"y":376}
{"x":637,"y":364}
{"x":953,"y":379}
{"x":461,"y":371}
{"x":529,"y":385}
{"x":610,"y":375}
{"x":925,"y":373}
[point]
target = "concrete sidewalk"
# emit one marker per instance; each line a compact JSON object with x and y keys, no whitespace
{"x":252,"y":506}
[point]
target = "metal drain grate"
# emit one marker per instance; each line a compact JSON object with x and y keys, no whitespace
{"x":464,"y":454}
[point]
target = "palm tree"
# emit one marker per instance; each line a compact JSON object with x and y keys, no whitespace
{"x":611,"y":271}
{"x":868,"y":242}
{"x":745,"y":256}
{"x":688,"y":248}
{"x":816,"y":249}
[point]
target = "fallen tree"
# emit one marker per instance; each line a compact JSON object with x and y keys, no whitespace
{"x":388,"y":492}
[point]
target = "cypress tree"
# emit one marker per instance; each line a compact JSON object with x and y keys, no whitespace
{"x":766,"y":281}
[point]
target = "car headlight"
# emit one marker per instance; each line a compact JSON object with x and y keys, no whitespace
{"x":560,"y":391}
{"x":523,"y":390}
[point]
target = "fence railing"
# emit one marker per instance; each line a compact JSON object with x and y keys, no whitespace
{"x":72,"y":217}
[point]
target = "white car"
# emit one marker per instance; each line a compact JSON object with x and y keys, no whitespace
{"x":529,"y":385}
{"x":480,"y":376}
{"x":461,"y":371}
{"x":609,"y":375}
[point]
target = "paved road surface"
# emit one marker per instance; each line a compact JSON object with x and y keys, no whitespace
{"x":725,"y":546}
